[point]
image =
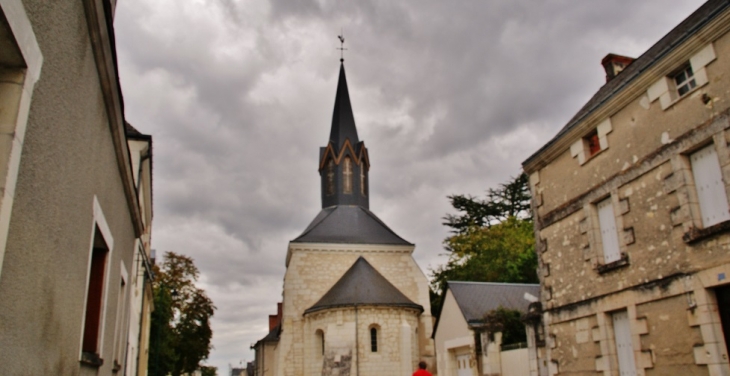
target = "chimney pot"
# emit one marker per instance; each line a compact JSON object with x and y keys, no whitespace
{"x":613,"y":65}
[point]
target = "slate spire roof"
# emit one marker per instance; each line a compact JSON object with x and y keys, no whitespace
{"x":343,"y":121}
{"x":344,"y":167}
{"x":362,"y":285}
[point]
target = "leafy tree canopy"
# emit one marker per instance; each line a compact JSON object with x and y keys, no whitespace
{"x":492,"y":241}
{"x":508,"y":322}
{"x":511,"y":199}
{"x":180,"y":332}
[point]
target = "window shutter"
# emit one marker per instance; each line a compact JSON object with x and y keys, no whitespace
{"x":710,"y":187}
{"x":609,"y":234}
{"x":624,"y":346}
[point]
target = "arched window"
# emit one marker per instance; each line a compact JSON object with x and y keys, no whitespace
{"x":374,"y":339}
{"x":347,"y":175}
{"x":330,"y":178}
{"x":363,"y":179}
{"x":320,"y":341}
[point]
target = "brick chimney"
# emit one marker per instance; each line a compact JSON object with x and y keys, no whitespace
{"x":275,"y":320}
{"x":614,"y":64}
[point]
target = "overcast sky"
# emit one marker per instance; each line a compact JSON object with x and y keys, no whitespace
{"x":449,"y":96}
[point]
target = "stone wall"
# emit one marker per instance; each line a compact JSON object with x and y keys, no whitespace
{"x":312,"y":269}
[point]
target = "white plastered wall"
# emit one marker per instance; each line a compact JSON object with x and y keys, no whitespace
{"x":16,"y":91}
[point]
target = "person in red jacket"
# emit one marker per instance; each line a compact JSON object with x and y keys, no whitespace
{"x":421,"y":371}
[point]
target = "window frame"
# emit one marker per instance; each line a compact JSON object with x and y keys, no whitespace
{"x":688,"y":83}
{"x":374,"y":331}
{"x":704,"y":200}
{"x":100,"y":225}
{"x":347,"y":175}
{"x":606,"y":212}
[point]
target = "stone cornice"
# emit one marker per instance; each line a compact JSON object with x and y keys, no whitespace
{"x":346,"y":248}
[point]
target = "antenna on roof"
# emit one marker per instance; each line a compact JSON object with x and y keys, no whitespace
{"x":342,"y":48}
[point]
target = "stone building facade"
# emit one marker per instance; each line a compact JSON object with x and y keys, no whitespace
{"x":75,"y":210}
{"x":355,"y":301}
{"x":631,"y":213}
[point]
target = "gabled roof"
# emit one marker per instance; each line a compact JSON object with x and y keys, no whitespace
{"x":363,"y":285}
{"x":669,"y":42}
{"x":273,"y":336}
{"x":343,"y":121}
{"x":349,"y":224}
{"x":475,"y":299}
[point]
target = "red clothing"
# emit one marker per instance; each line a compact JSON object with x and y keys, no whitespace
{"x":422,"y":372}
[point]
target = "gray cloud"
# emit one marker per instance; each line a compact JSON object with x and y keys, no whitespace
{"x":449,"y":98}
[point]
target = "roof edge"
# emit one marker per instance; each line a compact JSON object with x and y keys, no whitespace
{"x":413,"y":306}
{"x":534,"y":162}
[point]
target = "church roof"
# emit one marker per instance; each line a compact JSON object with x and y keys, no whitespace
{"x":343,"y":121}
{"x":475,"y":299}
{"x":349,"y":224}
{"x":363,"y":285}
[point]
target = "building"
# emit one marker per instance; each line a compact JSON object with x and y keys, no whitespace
{"x":463,"y":345}
{"x":355,"y":301}
{"x":630,"y":201}
{"x":141,"y":299}
{"x":265,"y":363}
{"x":76,"y":196}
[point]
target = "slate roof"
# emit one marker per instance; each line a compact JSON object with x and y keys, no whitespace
{"x":475,"y":299}
{"x":674,"y":38}
{"x":349,"y":224}
{"x":273,"y":336}
{"x":343,"y":121}
{"x":362,"y":285}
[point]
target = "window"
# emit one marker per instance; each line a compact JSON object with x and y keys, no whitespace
{"x":363,"y":180}
{"x":95,"y":300}
{"x":624,"y":345}
{"x":609,"y":234}
{"x":320,"y":340}
{"x":121,"y":327}
{"x":347,"y":174}
{"x":330,"y":178}
{"x":685,"y":80}
{"x":710,"y":186}
{"x":373,"y":339}
{"x":592,"y":143}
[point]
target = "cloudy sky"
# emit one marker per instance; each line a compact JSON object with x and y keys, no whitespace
{"x":449,"y":96}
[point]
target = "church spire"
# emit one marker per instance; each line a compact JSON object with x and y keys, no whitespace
{"x":344,"y":164}
{"x":343,"y":121}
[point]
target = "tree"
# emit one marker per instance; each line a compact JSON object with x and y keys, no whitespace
{"x":492,"y":241}
{"x":508,"y":322}
{"x":180,"y":332}
{"x":209,"y":371}
{"x":509,"y":200}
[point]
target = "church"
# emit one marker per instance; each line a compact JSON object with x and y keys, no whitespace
{"x":355,"y":302}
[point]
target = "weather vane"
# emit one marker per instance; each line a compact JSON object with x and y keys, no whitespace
{"x":342,"y":48}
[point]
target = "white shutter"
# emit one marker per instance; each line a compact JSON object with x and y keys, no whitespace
{"x":624,"y":347}
{"x":710,"y":187}
{"x":609,"y":235}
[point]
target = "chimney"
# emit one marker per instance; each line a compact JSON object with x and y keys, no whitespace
{"x":275,"y":320}
{"x":614,"y":64}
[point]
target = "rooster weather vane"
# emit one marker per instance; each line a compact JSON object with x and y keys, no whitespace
{"x":342,"y":48}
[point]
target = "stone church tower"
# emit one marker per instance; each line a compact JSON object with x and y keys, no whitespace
{"x":355,"y":301}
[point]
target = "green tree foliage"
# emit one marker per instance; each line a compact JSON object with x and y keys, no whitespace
{"x":180,"y":332}
{"x":507,"y":321}
{"x":511,"y":199}
{"x":209,"y":371}
{"x":492,"y":241}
